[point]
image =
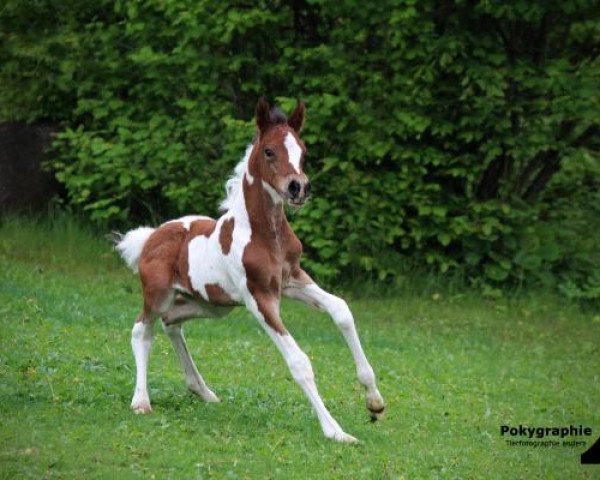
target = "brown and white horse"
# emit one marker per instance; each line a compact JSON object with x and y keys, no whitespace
{"x":200,"y":267}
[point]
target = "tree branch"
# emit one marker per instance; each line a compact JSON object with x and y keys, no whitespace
{"x":542,"y":40}
{"x":551,"y":166}
{"x":489,"y":185}
{"x":589,"y":133}
{"x":528,"y":171}
{"x":551,"y":161}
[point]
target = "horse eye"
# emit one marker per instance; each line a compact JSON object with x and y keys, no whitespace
{"x":269,"y":153}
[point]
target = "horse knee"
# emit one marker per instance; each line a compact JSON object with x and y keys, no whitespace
{"x":300,"y":367}
{"x":365,"y":375}
{"x":142,"y":333}
{"x":342,"y":316}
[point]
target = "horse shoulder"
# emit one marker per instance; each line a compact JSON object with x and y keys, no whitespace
{"x":260,"y":263}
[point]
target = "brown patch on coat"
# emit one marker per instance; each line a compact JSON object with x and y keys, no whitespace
{"x":226,"y":235}
{"x":292,"y":254}
{"x":204,"y":226}
{"x":158,"y":264}
{"x":164,"y":261}
{"x":217,"y":295}
{"x":264,"y":285}
{"x":268,"y":306}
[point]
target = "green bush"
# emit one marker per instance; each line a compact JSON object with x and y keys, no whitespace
{"x":454,"y":132}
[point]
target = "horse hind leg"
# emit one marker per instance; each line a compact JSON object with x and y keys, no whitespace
{"x":172,"y":320}
{"x":141,"y":342}
{"x":155,"y":300}
{"x":157,"y":266}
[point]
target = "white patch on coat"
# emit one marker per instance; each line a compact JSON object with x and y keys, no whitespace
{"x":294,"y":151}
{"x":274,"y":194}
{"x":208,"y":264}
{"x":130,"y":246}
{"x":188,"y":219}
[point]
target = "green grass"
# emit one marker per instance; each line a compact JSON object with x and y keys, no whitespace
{"x":452,"y":371}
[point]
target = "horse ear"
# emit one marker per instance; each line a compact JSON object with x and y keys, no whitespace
{"x":296,"y":120}
{"x":263,"y":118}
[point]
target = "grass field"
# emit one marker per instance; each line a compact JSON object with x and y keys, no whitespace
{"x":452,"y":370}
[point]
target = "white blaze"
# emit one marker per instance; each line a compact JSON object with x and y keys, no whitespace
{"x":294,"y":151}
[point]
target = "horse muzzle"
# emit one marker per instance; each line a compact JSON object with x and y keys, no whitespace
{"x":298,"y":191}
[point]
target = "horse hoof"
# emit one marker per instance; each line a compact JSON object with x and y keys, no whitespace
{"x":376,"y":407}
{"x":205,"y":394}
{"x":377,"y":415}
{"x":342,"y":437}
{"x":210,"y":397}
{"x":141,"y":409}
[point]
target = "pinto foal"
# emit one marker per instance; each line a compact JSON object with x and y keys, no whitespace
{"x":200,"y":267}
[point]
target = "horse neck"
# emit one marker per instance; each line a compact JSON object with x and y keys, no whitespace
{"x":265,"y":216}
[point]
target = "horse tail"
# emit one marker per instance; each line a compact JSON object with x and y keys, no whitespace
{"x":131,"y":244}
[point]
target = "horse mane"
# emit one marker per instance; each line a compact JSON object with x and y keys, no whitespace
{"x":234,"y":184}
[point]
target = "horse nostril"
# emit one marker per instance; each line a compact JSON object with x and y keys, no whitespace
{"x":294,"y":188}
{"x":307,"y":189}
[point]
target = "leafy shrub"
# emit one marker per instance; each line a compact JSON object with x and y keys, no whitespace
{"x":448,"y":130}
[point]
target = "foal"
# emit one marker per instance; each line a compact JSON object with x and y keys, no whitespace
{"x":200,"y":267}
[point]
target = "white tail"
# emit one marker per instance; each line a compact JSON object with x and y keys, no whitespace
{"x":131,"y":244}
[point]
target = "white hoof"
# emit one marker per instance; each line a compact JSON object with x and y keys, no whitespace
{"x":375,"y":416}
{"x":376,"y":406}
{"x":140,"y":408}
{"x":205,"y":394}
{"x":343,"y":437}
{"x":210,"y":397}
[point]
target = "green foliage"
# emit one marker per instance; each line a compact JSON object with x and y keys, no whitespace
{"x":453,"y":131}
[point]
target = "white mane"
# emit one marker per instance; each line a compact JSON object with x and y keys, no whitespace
{"x":234,"y":185}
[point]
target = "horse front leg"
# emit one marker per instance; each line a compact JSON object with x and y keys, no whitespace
{"x":266,"y":310}
{"x":303,"y":289}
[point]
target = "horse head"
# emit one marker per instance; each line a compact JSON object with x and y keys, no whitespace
{"x":278,"y":155}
